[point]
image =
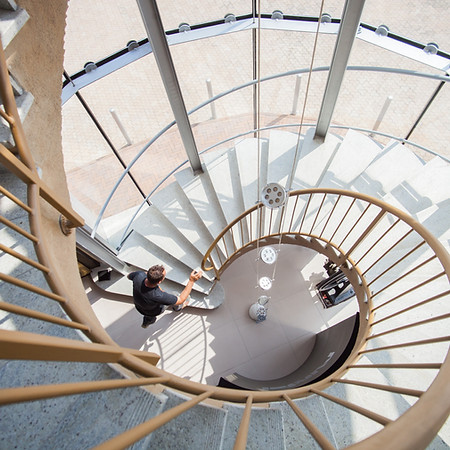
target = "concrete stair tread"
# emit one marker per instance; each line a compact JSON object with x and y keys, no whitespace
{"x":351,"y":426}
{"x":24,"y":103}
{"x":312,"y":407}
{"x":141,"y":253}
{"x":176,"y":207}
{"x":390,"y":169}
{"x":421,"y":190}
{"x":281,"y":155}
{"x":247,"y":158}
{"x":200,"y":191}
{"x":265,"y":429}
{"x":310,"y":167}
{"x":11,"y":22}
{"x":435,"y":220}
{"x":224,"y":174}
{"x":156,"y":228}
{"x":182,"y":432}
{"x":355,"y":153}
{"x":103,"y":415}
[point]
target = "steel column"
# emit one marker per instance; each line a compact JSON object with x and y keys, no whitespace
{"x":351,"y":18}
{"x":157,"y":37}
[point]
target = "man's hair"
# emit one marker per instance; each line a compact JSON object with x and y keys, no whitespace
{"x":155,"y":274}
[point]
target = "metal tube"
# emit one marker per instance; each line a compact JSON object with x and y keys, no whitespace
{"x":376,"y":242}
{"x":388,"y":250}
{"x":24,"y":258}
{"x":354,"y":225}
{"x":405,"y":275}
{"x":19,"y":230}
{"x":436,"y":92}
{"x":351,"y":18}
{"x":157,"y":37}
{"x":330,"y":215}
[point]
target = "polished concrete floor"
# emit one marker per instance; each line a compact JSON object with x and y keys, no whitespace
{"x":204,"y":345}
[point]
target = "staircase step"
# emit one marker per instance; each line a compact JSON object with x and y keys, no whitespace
{"x":390,"y":169}
{"x":348,"y":426}
{"x":422,"y":190}
{"x":247,"y":158}
{"x":157,"y":229}
{"x":296,"y":434}
{"x":281,"y":155}
{"x":24,"y":103}
{"x":435,"y":220}
{"x":354,"y":155}
{"x":176,"y":207}
{"x":314,"y":158}
{"x":224,"y":173}
{"x":142,"y":253}
{"x":103,"y":415}
{"x":11,"y":22}
{"x":200,"y":191}
{"x":265,"y":428}
{"x":183,"y":432}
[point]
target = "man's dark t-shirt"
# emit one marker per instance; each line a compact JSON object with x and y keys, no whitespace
{"x":149,"y":301}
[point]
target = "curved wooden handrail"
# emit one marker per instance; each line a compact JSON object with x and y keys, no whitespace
{"x":433,"y":243}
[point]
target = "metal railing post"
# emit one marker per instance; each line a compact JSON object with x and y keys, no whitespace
{"x":383,"y":111}
{"x":211,"y":95}
{"x":120,"y":125}
{"x":298,"y":80}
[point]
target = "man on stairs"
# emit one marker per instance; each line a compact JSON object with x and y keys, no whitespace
{"x":150,"y":300}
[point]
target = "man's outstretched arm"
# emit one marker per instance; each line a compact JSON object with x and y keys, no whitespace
{"x":187,"y":290}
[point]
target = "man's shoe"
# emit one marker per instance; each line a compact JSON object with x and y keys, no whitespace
{"x":146,"y":322}
{"x":177,"y":308}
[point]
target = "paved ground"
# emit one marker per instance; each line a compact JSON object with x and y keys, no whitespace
{"x":96,"y":29}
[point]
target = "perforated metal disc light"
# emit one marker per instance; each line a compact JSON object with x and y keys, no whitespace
{"x":268,"y":254}
{"x":265,"y":283}
{"x":273,"y":195}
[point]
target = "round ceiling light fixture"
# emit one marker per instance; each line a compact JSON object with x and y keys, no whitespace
{"x":268,"y":254}
{"x":273,"y":195}
{"x":265,"y":283}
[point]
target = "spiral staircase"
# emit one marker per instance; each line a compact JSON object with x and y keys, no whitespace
{"x":378,"y":211}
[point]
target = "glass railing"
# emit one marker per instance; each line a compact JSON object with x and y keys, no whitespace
{"x":135,"y":92}
{"x":234,"y":126}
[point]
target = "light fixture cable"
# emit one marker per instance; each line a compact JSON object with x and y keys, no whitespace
{"x":306,"y":92}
